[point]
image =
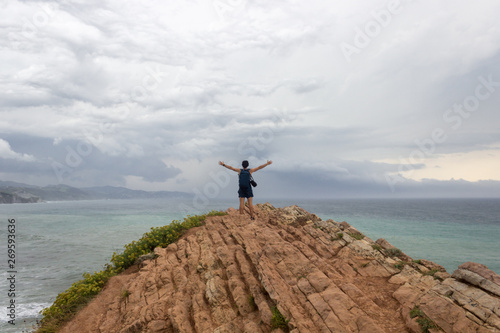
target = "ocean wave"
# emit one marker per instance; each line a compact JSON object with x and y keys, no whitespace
{"x":24,"y":311}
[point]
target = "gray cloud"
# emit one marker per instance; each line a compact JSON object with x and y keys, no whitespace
{"x":159,"y":92}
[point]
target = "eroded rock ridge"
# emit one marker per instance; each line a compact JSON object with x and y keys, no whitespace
{"x":322,"y":276}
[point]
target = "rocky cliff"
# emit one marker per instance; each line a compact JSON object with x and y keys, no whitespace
{"x":290,"y":271}
{"x":21,"y":197}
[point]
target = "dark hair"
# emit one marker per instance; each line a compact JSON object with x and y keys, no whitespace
{"x":244,"y":164}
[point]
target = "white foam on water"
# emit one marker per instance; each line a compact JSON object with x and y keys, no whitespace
{"x":23,"y":311}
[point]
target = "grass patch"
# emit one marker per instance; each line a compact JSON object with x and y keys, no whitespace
{"x":393,"y":252}
{"x":426,"y":324}
{"x":423,"y":321}
{"x":251,"y":302}
{"x":338,"y":236}
{"x":376,"y":247}
{"x":278,"y":321}
{"x":400,"y":265}
{"x":432,"y":273}
{"x":125,"y":294}
{"x":416,"y":312}
{"x":81,"y":292}
{"x":357,"y":236}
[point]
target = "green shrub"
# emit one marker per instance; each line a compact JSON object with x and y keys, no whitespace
{"x":376,"y":247}
{"x":70,"y":301}
{"x":278,"y":321}
{"x":216,"y":213}
{"x":426,"y":324}
{"x":80,"y":293}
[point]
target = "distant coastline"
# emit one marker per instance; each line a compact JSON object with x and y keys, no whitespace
{"x":11,"y":192}
{"x":10,"y":198}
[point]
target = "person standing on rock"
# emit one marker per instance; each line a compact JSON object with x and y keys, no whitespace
{"x":245,"y":189}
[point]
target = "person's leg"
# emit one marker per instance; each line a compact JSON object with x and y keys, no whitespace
{"x":242,"y":205}
{"x":250,"y":205}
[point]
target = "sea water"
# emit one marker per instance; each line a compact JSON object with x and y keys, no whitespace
{"x":58,"y":241}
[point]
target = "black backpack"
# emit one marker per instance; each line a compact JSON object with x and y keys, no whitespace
{"x":246,"y":179}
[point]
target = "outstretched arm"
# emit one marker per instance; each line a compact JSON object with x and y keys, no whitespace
{"x":228,"y":166}
{"x":260,"y":167}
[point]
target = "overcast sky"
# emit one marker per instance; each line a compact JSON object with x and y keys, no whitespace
{"x":348,"y":98}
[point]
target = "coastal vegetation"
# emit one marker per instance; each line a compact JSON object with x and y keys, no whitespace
{"x":393,"y":252}
{"x":357,"y":236}
{"x":278,"y":321}
{"x":251,"y":302}
{"x":81,"y":292}
{"x":255,"y":274}
{"x":423,"y":321}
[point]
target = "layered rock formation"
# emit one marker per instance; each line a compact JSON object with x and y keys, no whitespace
{"x":237,"y":275}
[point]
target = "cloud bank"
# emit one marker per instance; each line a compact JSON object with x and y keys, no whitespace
{"x":373,"y":98}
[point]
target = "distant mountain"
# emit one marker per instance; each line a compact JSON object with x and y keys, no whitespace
{"x":12,"y":192}
{"x":4,"y":184}
{"x":110,"y":192}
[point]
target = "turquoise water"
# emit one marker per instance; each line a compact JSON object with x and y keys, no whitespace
{"x":447,"y":231}
{"x":56,"y":242}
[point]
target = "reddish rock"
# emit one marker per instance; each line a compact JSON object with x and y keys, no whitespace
{"x":227,"y":276}
{"x":344,"y":225}
{"x":481,"y":270}
{"x":432,"y":265}
{"x":477,"y":280}
{"x":384,"y":244}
